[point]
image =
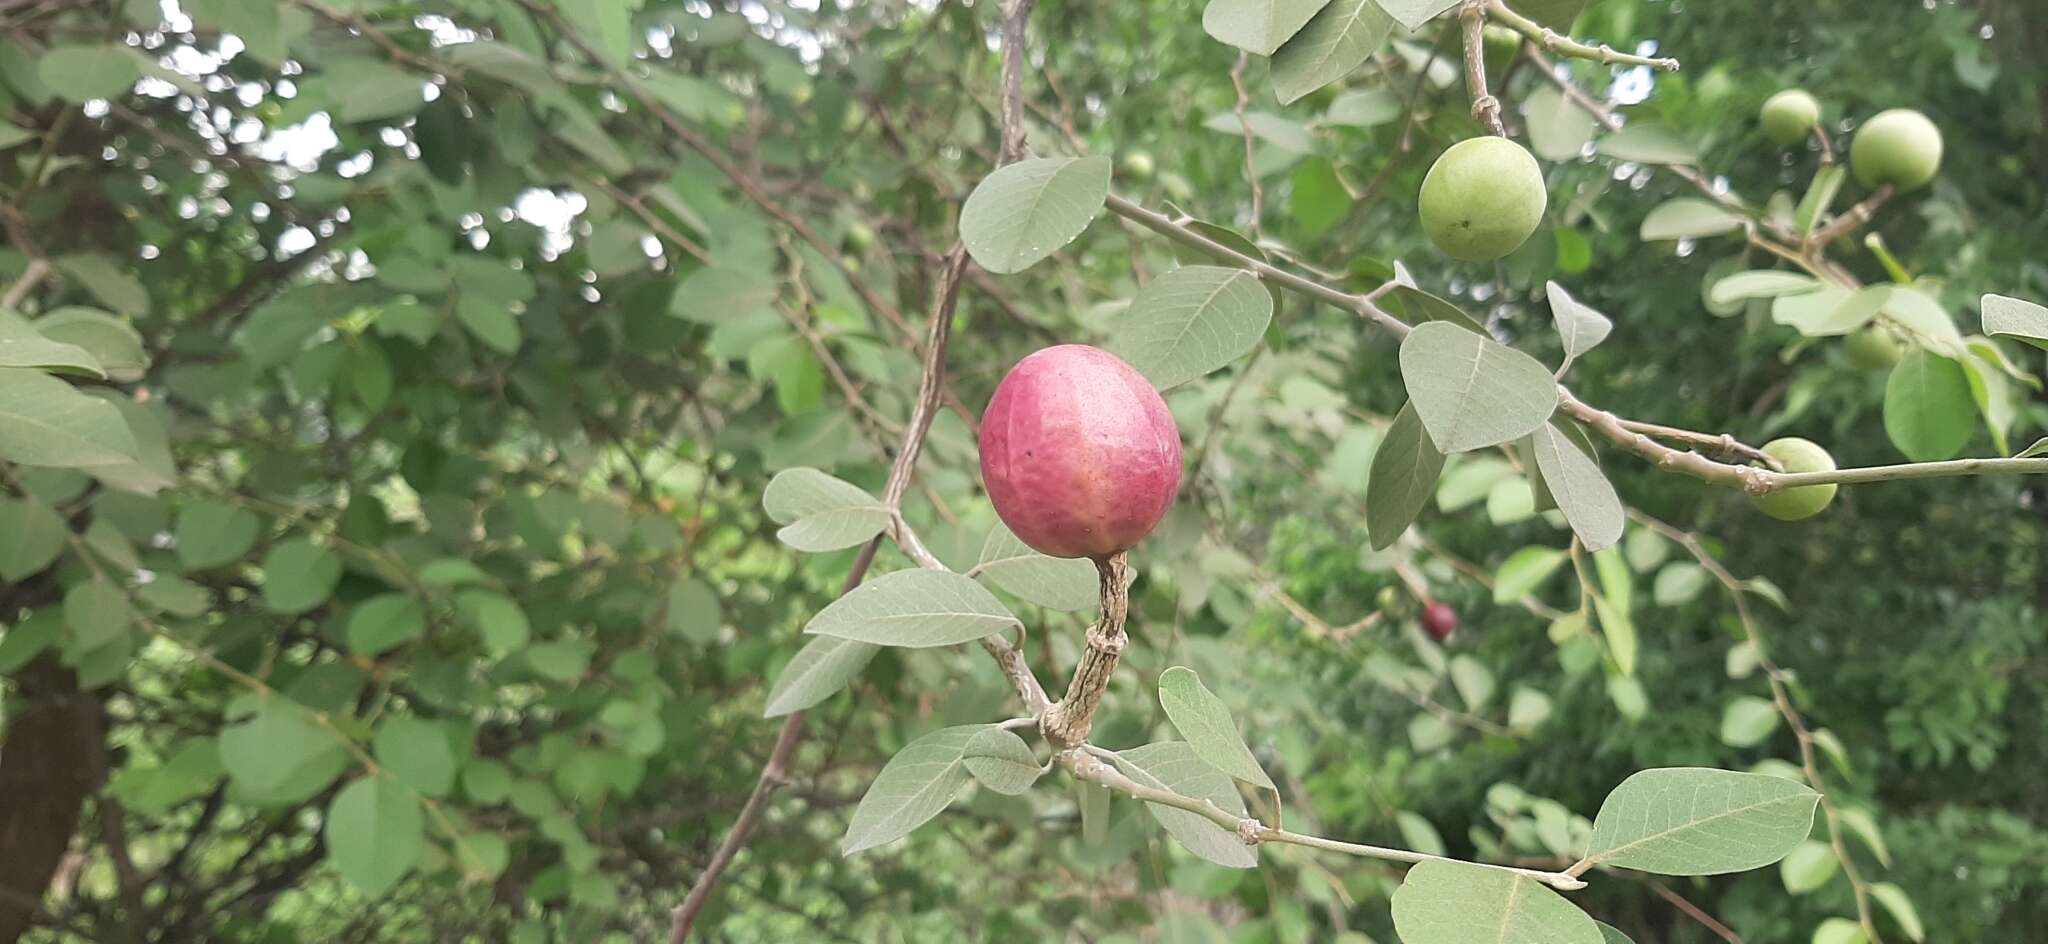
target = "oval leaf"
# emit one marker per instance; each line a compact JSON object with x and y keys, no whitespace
{"x":914,"y":608}
{"x":2013,"y":318}
{"x":1404,"y":473}
{"x":1580,"y":326}
{"x":822,"y":513}
{"x":1688,"y":218}
{"x":1001,"y":761}
{"x":914,"y":786}
{"x":375,"y":833}
{"x":1056,"y":583}
{"x":1191,"y":321}
{"x":1701,"y":821}
{"x":1173,"y":765}
{"x":1472,"y":391}
{"x":1456,"y":903}
{"x":1580,"y":490}
{"x":1336,"y":41}
{"x":1258,"y":26}
{"x":1205,"y":722}
{"x":817,"y":671}
{"x":1928,"y":407}
{"x":1028,"y":210}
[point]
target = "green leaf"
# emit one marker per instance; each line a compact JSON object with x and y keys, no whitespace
{"x":1578,"y":487}
{"x":1205,"y":722}
{"x":1924,"y":318}
{"x":1337,"y":40}
{"x":1679,"y":583}
{"x":914,"y":786}
{"x":1317,"y":198}
{"x":722,"y":294}
{"x":693,"y":610}
{"x":1173,"y":765}
{"x":1364,"y":108}
{"x":417,"y":753}
{"x":1443,"y":902}
{"x":1759,"y":284}
{"x":1900,"y":907}
{"x":108,"y":339}
{"x":822,"y":513}
{"x":97,"y":612}
{"x":1473,"y":680}
{"x":1993,"y":395}
{"x":1820,"y":195}
{"x":1688,"y":218}
{"x":1469,"y":480}
{"x":2014,"y":318}
{"x":1649,"y":144}
{"x":1865,"y":827}
{"x":82,"y":72}
{"x":22,"y":345}
{"x":1527,"y":709}
{"x":1580,"y":326}
{"x":1928,"y":407}
{"x":46,"y":422}
{"x":1700,"y":821}
{"x":817,"y":672}
{"x":277,"y":745}
{"x":1258,"y":26}
{"x":1289,"y":136}
{"x":1026,"y":211}
{"x":1808,"y":866}
{"x":914,"y":608}
{"x":1190,"y":321}
{"x":1413,"y":13}
{"x":1523,"y":572}
{"x":496,"y":618}
{"x":1558,"y":127}
{"x":214,"y":534}
{"x":385,"y":622}
{"x":375,"y":832}
{"x":1052,"y":582}
{"x":1608,"y":934}
{"x":1418,"y":833}
{"x":1473,"y":391}
{"x":1420,"y":306}
{"x":1427,"y":733}
{"x":374,"y":91}
{"x":1620,"y":632}
{"x":299,"y":575}
{"x":1831,"y":311}
{"x":1747,"y":721}
{"x":490,"y":322}
{"x":1839,"y":931}
{"x":1001,"y":761}
{"x":32,"y":534}
{"x":1404,"y":473}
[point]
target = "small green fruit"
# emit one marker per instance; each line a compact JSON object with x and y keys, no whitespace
{"x":859,"y":236}
{"x":1872,"y":349}
{"x":1138,"y":165}
{"x":1900,"y":147}
{"x":1482,"y":199}
{"x":1789,"y":116}
{"x":1793,"y":504}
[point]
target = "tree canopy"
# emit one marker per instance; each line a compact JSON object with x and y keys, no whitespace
{"x":511,"y":470}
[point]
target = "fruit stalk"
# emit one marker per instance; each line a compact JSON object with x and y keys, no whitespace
{"x":1067,"y":722}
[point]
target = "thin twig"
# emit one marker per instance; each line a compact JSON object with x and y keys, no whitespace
{"x":1565,"y":45}
{"x":1485,"y":107}
{"x":1850,"y":219}
{"x":1251,"y":168}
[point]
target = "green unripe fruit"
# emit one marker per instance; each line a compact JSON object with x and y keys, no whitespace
{"x":1793,"y":504}
{"x":859,"y":236}
{"x":1138,"y":165}
{"x":1482,"y":199}
{"x":1872,"y":349}
{"x":1789,"y":116}
{"x":1898,"y":147}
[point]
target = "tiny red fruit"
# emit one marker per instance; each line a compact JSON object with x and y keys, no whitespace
{"x":1079,"y":453}
{"x":1439,"y":620}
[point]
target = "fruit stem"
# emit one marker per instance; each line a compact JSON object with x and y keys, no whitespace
{"x":1068,"y":721}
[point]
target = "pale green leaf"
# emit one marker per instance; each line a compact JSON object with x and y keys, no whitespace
{"x":1679,"y":583}
{"x":1808,"y":866}
{"x":109,"y":339}
{"x":47,"y":422}
{"x":1864,"y":826}
{"x":214,"y":534}
{"x":914,"y":786}
{"x":1291,"y":137}
{"x":1473,"y":680}
{"x":97,"y":612}
{"x":1053,"y":582}
{"x":1923,"y":317}
{"x":822,"y":513}
{"x":1558,"y":127}
{"x":1747,"y":721}
{"x":22,"y":345}
{"x":1173,"y":765}
{"x":1190,"y":321}
{"x":1339,"y":39}
{"x":1759,"y":284}
{"x":1205,"y":722}
{"x":497,"y":619}
{"x":82,"y":72}
{"x":1523,"y":572}
{"x":1527,"y":709}
{"x":914,"y":608}
{"x":416,"y":752}
{"x":718,"y":294}
{"x":1579,"y":325}
{"x":1001,"y":761}
{"x":1820,"y":195}
{"x":1609,"y":935}
{"x":1026,"y":211}
{"x":32,"y":534}
{"x":1472,"y":391}
{"x":277,"y":746}
{"x":1443,"y":902}
{"x":1700,"y":821}
{"x":298,"y":576}
{"x":1649,"y":144}
{"x":1839,"y":931}
{"x":1419,"y":834}
{"x":384,"y":622}
{"x":1413,"y":13}
{"x":1579,"y":488}
{"x":1258,"y":26}
{"x":2014,"y":318}
{"x":1900,"y":907}
{"x":1688,"y":218}
{"x":818,"y":671}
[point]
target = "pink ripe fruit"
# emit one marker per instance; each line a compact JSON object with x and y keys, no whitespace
{"x":1439,"y":620}
{"x":1079,"y":453}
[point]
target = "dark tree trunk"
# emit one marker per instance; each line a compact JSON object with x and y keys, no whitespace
{"x":48,"y":754}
